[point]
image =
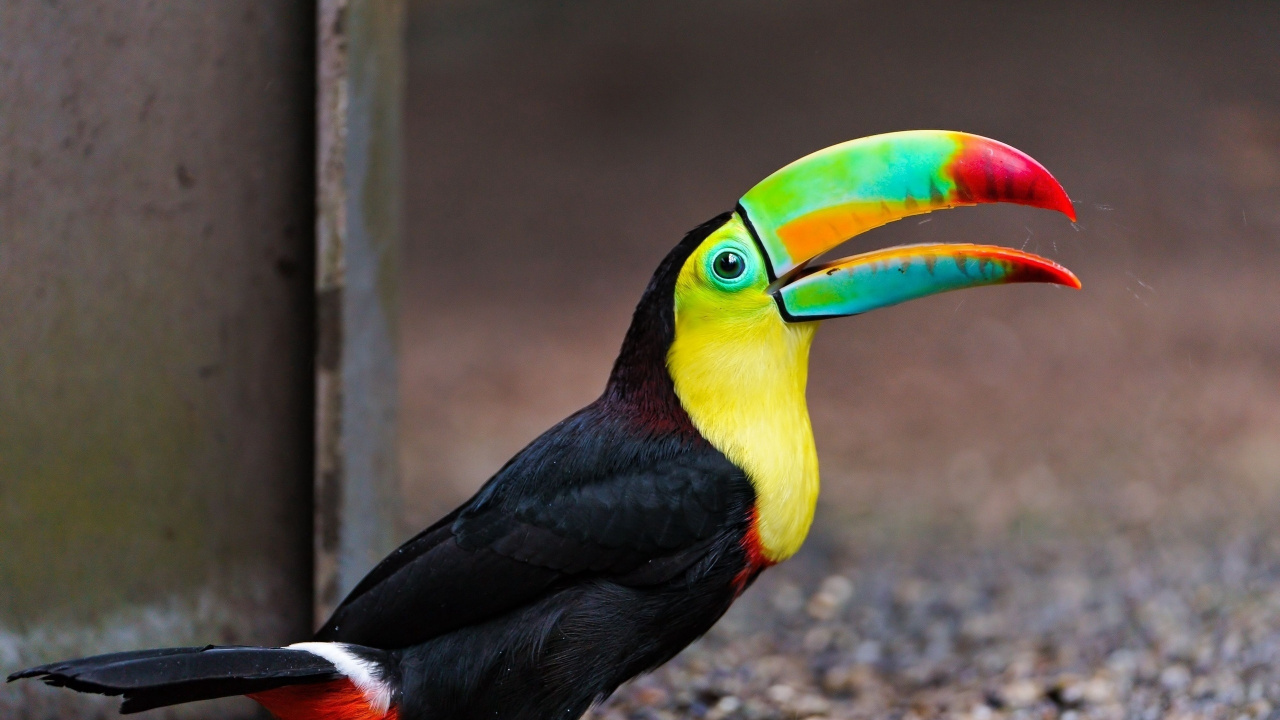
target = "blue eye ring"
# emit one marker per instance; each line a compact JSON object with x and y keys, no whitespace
{"x":729,"y":266}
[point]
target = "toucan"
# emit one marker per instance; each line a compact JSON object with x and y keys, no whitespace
{"x":623,"y":533}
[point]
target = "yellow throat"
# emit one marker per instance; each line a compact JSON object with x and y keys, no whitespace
{"x":740,"y":371}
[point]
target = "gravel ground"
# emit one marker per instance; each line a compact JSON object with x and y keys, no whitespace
{"x":1129,"y":624}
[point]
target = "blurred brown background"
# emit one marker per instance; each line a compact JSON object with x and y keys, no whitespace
{"x":557,"y":150}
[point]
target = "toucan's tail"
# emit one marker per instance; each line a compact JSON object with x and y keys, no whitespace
{"x":320,"y":681}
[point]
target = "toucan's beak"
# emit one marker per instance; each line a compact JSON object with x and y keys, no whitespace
{"x":819,"y":201}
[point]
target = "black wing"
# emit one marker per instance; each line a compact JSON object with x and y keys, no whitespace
{"x":591,"y":498}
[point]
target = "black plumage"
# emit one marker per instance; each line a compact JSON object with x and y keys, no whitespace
{"x":631,"y":509}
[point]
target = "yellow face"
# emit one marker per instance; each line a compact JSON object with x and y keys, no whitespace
{"x":740,"y":371}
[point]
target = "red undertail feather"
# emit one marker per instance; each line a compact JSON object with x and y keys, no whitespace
{"x":756,"y":560}
{"x":334,"y":700}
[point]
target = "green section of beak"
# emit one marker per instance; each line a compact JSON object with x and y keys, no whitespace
{"x":823,"y":199}
{"x":887,"y":277}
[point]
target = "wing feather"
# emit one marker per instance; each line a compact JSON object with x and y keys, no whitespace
{"x":590,"y":499}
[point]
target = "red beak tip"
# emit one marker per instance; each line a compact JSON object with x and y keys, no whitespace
{"x":1039,"y":269}
{"x":1056,"y":198}
{"x":1065,"y":277}
{"x":1067,"y":208}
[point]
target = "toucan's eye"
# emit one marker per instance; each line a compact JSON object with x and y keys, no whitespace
{"x":729,"y":265}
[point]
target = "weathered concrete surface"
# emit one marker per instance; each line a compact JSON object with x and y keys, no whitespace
{"x":155,"y":330}
{"x":361,"y":48}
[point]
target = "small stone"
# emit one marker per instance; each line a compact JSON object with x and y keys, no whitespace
{"x":1175,"y":677}
{"x":834,"y":593}
{"x":774,"y":669}
{"x":1201,"y":688}
{"x":1110,"y":711}
{"x":821,"y":607}
{"x":732,"y":685}
{"x":923,"y":673}
{"x":728,"y":704}
{"x":991,"y":661}
{"x":1123,"y":663}
{"x":788,"y":599}
{"x":1231,"y":645}
{"x":650,"y":696}
{"x":810,"y":705}
{"x":867,"y":653}
{"x":781,"y":694}
{"x":1069,"y":690}
{"x":910,"y":591}
{"x":940,"y":644}
{"x":838,"y":680}
{"x":1098,"y":691}
{"x":860,"y":680}
{"x":1022,"y":663}
{"x":818,"y":639}
{"x":1022,"y":693}
{"x":754,"y":709}
{"x":1228,"y":687}
{"x":983,"y":626}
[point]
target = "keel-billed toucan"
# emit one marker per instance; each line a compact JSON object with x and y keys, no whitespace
{"x":624,"y":532}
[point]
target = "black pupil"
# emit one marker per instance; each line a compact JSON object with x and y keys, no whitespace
{"x":729,"y":265}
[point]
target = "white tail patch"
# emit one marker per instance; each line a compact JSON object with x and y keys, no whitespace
{"x":361,"y":672}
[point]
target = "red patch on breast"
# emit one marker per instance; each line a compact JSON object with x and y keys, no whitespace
{"x":334,"y":700}
{"x":755,"y":557}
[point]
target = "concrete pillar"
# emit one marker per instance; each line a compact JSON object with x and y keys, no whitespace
{"x":156,"y":332}
{"x":361,"y":48}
